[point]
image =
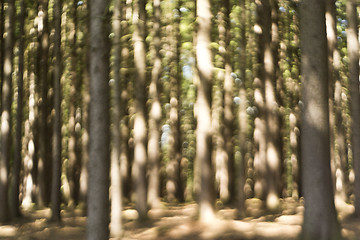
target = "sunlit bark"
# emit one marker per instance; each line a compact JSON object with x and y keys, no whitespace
{"x":353,"y":53}
{"x":153,"y":198}
{"x":115,"y":174}
{"x":204,"y":131}
{"x":140,"y":124}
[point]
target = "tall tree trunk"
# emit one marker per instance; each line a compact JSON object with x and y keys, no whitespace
{"x":6,"y":96}
{"x":73,"y":143}
{"x":203,"y":105}
{"x":174,"y":184}
{"x":273,"y":151}
{"x":242,"y":118}
{"x":260,"y":130}
{"x":140,"y":126}
{"x":44,"y":160}
{"x":15,"y":211}
{"x":153,"y":198}
{"x":84,"y":73}
{"x":115,"y":173}
{"x":99,"y":148}
{"x":220,"y":157}
{"x":56,"y":147}
{"x":320,"y":218}
{"x":353,"y":53}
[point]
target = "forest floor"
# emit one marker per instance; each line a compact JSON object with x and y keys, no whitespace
{"x":178,"y":222}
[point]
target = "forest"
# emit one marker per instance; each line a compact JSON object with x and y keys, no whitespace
{"x":174,"y":119}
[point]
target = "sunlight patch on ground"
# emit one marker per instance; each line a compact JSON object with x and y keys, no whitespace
{"x":7,"y":231}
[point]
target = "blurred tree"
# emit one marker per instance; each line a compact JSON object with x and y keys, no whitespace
{"x":15,"y":201}
{"x":99,"y":127}
{"x":320,"y":218}
{"x":6,"y":96}
{"x":140,"y":119}
{"x":43,"y":163}
{"x":153,"y":197}
{"x":115,"y":173}
{"x":57,"y":136}
{"x":203,"y":110}
{"x":353,"y":53}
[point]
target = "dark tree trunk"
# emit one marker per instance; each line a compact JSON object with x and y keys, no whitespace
{"x":15,"y":211}
{"x":320,"y":217}
{"x":99,"y":148}
{"x":6,"y":96}
{"x":56,"y":147}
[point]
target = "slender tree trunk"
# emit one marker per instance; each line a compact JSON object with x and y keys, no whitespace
{"x":140,"y":126}
{"x":56,"y":151}
{"x":73,"y":143}
{"x":320,"y":217}
{"x":44,"y":160}
{"x":220,"y":157}
{"x":99,"y":148}
{"x":273,"y":152}
{"x":242,"y":118}
{"x":2,"y":21}
{"x":204,"y":131}
{"x":6,"y":96}
{"x":353,"y":53}
{"x":153,"y":198}
{"x":15,"y":204}
{"x":115,"y":174}
{"x":84,"y":73}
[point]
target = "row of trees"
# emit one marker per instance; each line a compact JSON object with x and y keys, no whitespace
{"x":187,"y":100}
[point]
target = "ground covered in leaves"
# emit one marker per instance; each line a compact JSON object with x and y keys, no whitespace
{"x":178,"y":222}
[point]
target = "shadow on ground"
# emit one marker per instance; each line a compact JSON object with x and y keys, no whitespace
{"x":178,"y":223}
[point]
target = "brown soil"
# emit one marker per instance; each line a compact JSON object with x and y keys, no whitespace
{"x":178,"y":223}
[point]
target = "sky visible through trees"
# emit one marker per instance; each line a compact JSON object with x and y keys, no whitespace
{"x":193,"y":109}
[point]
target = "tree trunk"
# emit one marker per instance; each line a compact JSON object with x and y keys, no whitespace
{"x":115,"y":174}
{"x":99,"y":148}
{"x":353,"y":53}
{"x":15,"y":211}
{"x":6,"y":96}
{"x":242,"y":118}
{"x":44,"y":160}
{"x":140,"y":126}
{"x":153,"y":198}
{"x":204,"y":131}
{"x":56,"y":147}
{"x":320,"y":217}
{"x":74,"y":154}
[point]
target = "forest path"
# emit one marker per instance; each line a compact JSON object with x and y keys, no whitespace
{"x":178,"y":223}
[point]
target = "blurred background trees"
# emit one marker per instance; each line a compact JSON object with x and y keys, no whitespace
{"x":193,"y":97}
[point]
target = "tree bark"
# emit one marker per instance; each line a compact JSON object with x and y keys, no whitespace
{"x":44,"y":159}
{"x":140,"y":125}
{"x":6,"y":96}
{"x":99,"y":147}
{"x":320,"y":217}
{"x":15,"y":211}
{"x":56,"y":151}
{"x":115,"y":173}
{"x":204,"y":131}
{"x":153,"y":198}
{"x":353,"y":53}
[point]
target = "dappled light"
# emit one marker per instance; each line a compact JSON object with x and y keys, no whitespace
{"x":178,"y":222}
